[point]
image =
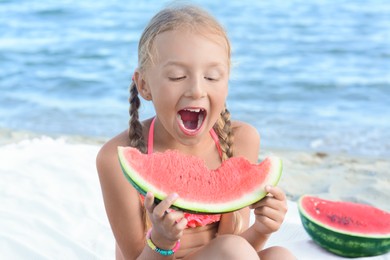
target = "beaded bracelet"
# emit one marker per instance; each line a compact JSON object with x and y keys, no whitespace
{"x":159,"y":250}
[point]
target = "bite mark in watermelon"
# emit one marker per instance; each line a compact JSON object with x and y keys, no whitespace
{"x":345,"y":228}
{"x":234,"y":185}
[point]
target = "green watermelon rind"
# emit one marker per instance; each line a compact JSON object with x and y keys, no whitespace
{"x":340,"y":242}
{"x":194,"y":207}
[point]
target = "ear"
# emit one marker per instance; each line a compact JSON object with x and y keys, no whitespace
{"x":142,"y":86}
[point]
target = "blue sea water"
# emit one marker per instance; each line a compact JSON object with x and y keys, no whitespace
{"x":310,"y":75}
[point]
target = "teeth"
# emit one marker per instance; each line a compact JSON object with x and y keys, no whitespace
{"x":200,"y":120}
{"x":196,"y":110}
{"x":200,"y":117}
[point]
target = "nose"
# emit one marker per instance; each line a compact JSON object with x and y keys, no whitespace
{"x":196,"y":88}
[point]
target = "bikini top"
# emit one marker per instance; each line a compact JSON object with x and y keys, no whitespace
{"x":194,"y":220}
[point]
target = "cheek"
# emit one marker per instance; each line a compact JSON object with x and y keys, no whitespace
{"x":159,"y":91}
{"x":222,"y":93}
{"x":163,"y":99}
{"x":219,"y":101}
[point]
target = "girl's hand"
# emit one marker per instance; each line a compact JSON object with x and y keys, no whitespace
{"x":167,"y":226}
{"x":270,"y":211}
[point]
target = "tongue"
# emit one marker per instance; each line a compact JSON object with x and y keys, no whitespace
{"x":190,"y":119}
{"x":188,"y":115}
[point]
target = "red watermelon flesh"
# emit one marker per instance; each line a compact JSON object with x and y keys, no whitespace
{"x":347,"y":216}
{"x":345,"y":228}
{"x":235,"y":184}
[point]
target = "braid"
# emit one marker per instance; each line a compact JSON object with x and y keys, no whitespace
{"x":224,"y":131}
{"x":135,"y":128}
{"x":136,"y":137}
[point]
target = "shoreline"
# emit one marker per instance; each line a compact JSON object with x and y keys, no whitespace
{"x":9,"y":136}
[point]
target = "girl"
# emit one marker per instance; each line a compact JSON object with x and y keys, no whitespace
{"x":183,"y":68}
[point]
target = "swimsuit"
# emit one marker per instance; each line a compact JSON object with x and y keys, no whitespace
{"x":194,"y":220}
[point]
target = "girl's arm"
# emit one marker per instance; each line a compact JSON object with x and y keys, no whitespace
{"x":120,"y":200}
{"x":269,"y":215}
{"x":124,"y":210}
{"x":122,"y":204}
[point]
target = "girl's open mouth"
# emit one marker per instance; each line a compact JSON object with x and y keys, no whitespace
{"x":191,"y":119}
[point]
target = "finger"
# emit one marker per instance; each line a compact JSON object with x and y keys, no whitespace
{"x":263,"y":202}
{"x":181,"y":224}
{"x":270,"y":201}
{"x":149,"y":202}
{"x":160,"y":209}
{"x":172,"y":218}
{"x":270,"y":213}
{"x":269,"y":223}
{"x":276,"y":192}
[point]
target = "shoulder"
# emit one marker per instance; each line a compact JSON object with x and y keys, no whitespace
{"x":244,"y":130}
{"x":246,"y":140}
{"x":109,"y":150}
{"x":107,"y":163}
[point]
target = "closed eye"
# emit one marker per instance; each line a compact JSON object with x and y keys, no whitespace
{"x":210,"y":79}
{"x":177,"y":78}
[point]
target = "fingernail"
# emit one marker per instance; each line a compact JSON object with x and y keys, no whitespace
{"x":175,"y":196}
{"x":268,"y":188}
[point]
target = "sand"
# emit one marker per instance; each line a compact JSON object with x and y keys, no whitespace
{"x":335,"y":176}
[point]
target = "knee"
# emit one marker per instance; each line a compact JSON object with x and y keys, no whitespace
{"x":235,"y":247}
{"x":276,"y":252}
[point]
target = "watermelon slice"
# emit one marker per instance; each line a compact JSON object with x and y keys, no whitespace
{"x":345,"y":228}
{"x":235,"y":184}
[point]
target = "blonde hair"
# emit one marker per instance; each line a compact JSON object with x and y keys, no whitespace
{"x":169,"y":19}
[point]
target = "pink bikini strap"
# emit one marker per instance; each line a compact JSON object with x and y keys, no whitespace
{"x":151,"y":135}
{"x":216,"y":140}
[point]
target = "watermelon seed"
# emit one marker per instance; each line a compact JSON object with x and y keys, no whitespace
{"x":340,"y":220}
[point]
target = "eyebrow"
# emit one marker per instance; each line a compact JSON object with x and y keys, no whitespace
{"x":174,"y":63}
{"x":183,"y":64}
